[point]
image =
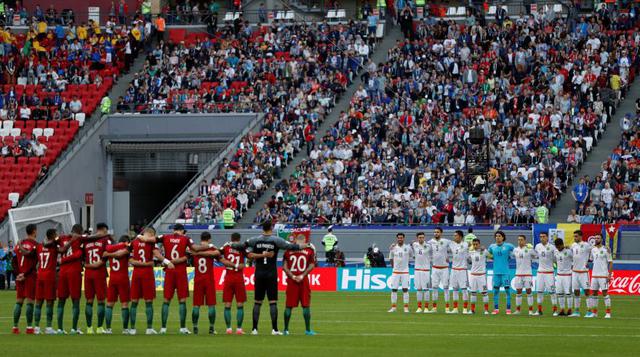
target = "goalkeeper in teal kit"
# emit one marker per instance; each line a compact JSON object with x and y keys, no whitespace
{"x":501,"y":252}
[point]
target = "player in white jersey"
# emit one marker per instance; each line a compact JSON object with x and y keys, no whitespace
{"x":563,"y":257}
{"x":600,"y":277}
{"x":422,"y":269}
{"x":400,"y":255}
{"x":478,"y":278}
{"x":580,"y":273}
{"x":544,"y":278}
{"x":524,"y":256}
{"x":440,"y":250}
{"x":459,"y":280}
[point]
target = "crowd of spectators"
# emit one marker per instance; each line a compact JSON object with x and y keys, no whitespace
{"x":542,"y":90}
{"x":291,"y":72}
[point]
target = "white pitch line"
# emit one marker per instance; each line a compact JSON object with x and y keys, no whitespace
{"x":431,"y":323}
{"x":497,"y":335}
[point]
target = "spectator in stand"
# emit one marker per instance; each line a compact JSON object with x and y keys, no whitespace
{"x":580,"y":193}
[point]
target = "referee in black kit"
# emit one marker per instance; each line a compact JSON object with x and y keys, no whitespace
{"x":263,"y":249}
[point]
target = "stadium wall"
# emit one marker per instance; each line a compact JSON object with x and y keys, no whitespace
{"x":87,"y":167}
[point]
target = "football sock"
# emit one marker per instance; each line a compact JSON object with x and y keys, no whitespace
{"x":518,"y":300}
{"x":474,"y":298}
{"x":60,"y":313}
{"x":273,"y":309}
{"x":17,"y":310}
{"x":240,"y":315}
{"x":508,"y":291}
{"x":455,"y":296}
{"x":109,"y":316}
{"x":496,"y":298}
{"x":485,"y":300}
{"x":29,"y":314}
{"x":465,"y":296}
{"x":530,"y":301}
{"x":419,"y":295}
{"x":405,"y":298}
{"x":561,"y":301}
{"x":287,"y":318}
{"x":227,"y":316}
{"x":256,"y":315}
{"x":569,"y":301}
{"x":125,"y":318}
{"x":212,"y":315}
{"x":165,"y":314}
{"x":306,"y":313}
{"x":100,"y":314}
{"x":75,"y":314}
{"x":88,"y":313}
{"x":132,"y":314}
{"x":446,"y":296}
{"x":554,"y":299}
{"x":607,"y":303}
{"x":427,"y":297}
{"x":394,"y":298}
{"x":37,"y":314}
{"x":576,"y":302}
{"x":149,"y":310}
{"x":182,"y":308}
{"x":435,"y":297}
{"x":195,"y":315}
{"x":49,"y":314}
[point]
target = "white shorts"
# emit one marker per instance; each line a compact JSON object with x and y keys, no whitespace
{"x":579,"y":280}
{"x":478,"y":283}
{"x":458,"y":279}
{"x":440,"y":277}
{"x":599,"y":284}
{"x":421,"y":280}
{"x":545,"y":283}
{"x":522,"y":282}
{"x":399,"y":280}
{"x":563,"y":284}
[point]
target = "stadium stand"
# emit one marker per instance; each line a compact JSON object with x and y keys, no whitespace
{"x":542,"y":91}
{"x":296,"y":71}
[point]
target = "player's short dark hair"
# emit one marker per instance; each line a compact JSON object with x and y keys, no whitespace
{"x":419,"y":234}
{"x":77,"y":228}
{"x":123,"y":239}
{"x":578,"y":232}
{"x":31,"y":229}
{"x":51,"y":233}
{"x":102,"y":225}
{"x":205,"y":236}
{"x":475,"y":240}
{"x":523,"y":236}
{"x":267,"y":226}
{"x":439,"y":229}
{"x":545,"y":233}
{"x":470,"y":230}
{"x":459,"y":232}
{"x":500,"y":233}
{"x":558,"y":242}
{"x":400,"y":234}
{"x":235,"y":236}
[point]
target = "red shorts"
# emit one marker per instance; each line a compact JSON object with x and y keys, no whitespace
{"x":95,"y":284}
{"x":26,"y":289}
{"x":176,"y":280}
{"x":298,"y":293}
{"x":118,"y":288}
{"x":143,"y":285}
{"x":46,"y":289}
{"x":69,"y":284}
{"x":234,"y":286}
{"x":202,"y":288}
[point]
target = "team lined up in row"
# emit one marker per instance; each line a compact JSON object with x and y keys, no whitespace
{"x":469,"y":272}
{"x":39,"y":281}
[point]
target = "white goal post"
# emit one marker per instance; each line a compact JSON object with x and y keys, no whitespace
{"x":57,"y":215}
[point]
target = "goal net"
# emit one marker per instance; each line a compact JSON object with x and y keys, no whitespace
{"x":58,"y":215}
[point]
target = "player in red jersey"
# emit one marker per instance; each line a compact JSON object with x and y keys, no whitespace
{"x":143,"y":281}
{"x":70,"y":277}
{"x":24,"y":265}
{"x":297,"y":265}
{"x":95,"y":275}
{"x":234,"y":260}
{"x":46,"y":282}
{"x":118,"y":255}
{"x":204,"y":281}
{"x":175,"y":279}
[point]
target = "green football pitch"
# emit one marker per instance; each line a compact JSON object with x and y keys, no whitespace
{"x":355,"y":324}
